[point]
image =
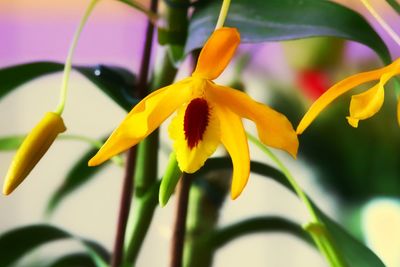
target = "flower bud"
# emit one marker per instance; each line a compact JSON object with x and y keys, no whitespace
{"x":32,"y":150}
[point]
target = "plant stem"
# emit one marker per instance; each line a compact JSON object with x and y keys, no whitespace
{"x":178,"y":237}
{"x":68,"y":62}
{"x":125,"y":203}
{"x":381,"y":21}
{"x":146,"y":172}
{"x":321,"y":237}
{"x":127,"y":190}
{"x":223,"y":14}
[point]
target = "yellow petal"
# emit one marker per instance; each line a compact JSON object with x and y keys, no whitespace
{"x":143,"y":119}
{"x":340,"y":88}
{"x":368,"y":103}
{"x":274,"y":129}
{"x":190,"y":159}
{"x":217,"y":52}
{"x":32,"y":150}
{"x":234,"y":138}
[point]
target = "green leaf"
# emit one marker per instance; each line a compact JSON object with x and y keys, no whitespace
{"x":279,"y":20}
{"x":78,"y":175}
{"x":221,"y":237}
{"x":395,"y":5}
{"x":18,"y":242}
{"x":117,"y":83}
{"x":9,"y":143}
{"x":73,"y":260}
{"x":355,"y":253}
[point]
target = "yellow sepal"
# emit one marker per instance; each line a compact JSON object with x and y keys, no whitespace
{"x":274,"y":129}
{"x":342,"y":87}
{"x":234,"y":138}
{"x":143,"y":119}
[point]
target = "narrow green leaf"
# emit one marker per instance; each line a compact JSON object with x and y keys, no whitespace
{"x":78,"y":175}
{"x":169,"y":180}
{"x":98,"y":253}
{"x":395,"y":5}
{"x":18,"y":242}
{"x":279,"y":20}
{"x":117,"y":83}
{"x":9,"y":143}
{"x":221,"y":237}
{"x":73,"y":260}
{"x":355,"y":253}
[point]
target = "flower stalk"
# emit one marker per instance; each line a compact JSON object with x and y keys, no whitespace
{"x":68,"y":63}
{"x":316,"y":228}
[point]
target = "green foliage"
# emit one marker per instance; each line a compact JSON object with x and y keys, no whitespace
{"x":10,"y":143}
{"x":77,"y":176}
{"x":117,"y":83}
{"x":73,"y":260}
{"x":18,"y":242}
{"x":279,"y":20}
{"x":354,"y":252}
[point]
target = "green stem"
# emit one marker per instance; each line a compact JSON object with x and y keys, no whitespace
{"x":321,"y":238}
{"x":289,"y":177}
{"x":68,"y":63}
{"x":223,"y":14}
{"x":139,"y":223}
{"x":206,"y":199}
{"x":146,"y":171}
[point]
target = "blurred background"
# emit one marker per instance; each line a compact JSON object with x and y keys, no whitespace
{"x":354,"y":174}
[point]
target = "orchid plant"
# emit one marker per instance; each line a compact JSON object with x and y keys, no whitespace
{"x":206,"y":114}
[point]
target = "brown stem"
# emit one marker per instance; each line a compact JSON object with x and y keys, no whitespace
{"x":125,"y":204}
{"x":128,"y":184}
{"x":178,"y":238}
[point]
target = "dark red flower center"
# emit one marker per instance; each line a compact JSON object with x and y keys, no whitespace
{"x":196,"y":120}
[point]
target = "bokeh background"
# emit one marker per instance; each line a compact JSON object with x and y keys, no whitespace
{"x":42,"y":30}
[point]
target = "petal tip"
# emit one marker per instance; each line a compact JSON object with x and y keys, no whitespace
{"x":235,"y":194}
{"x":352,"y":121}
{"x":94,"y":161}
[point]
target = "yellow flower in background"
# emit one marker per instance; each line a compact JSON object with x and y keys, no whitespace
{"x":34,"y":146}
{"x":362,"y":106}
{"x":208,"y":114}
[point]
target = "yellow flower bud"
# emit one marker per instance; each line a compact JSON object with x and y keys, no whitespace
{"x":32,"y":150}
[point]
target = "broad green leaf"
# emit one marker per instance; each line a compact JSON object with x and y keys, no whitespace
{"x":279,"y":20}
{"x":355,"y":253}
{"x":78,"y":175}
{"x":117,"y":83}
{"x":9,"y":143}
{"x":73,"y":260}
{"x":18,"y":242}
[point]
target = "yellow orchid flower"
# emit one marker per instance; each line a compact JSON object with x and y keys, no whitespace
{"x":34,"y":146}
{"x":208,"y":114}
{"x":362,"y":106}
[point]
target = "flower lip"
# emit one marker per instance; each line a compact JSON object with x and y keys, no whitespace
{"x":196,"y":121}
